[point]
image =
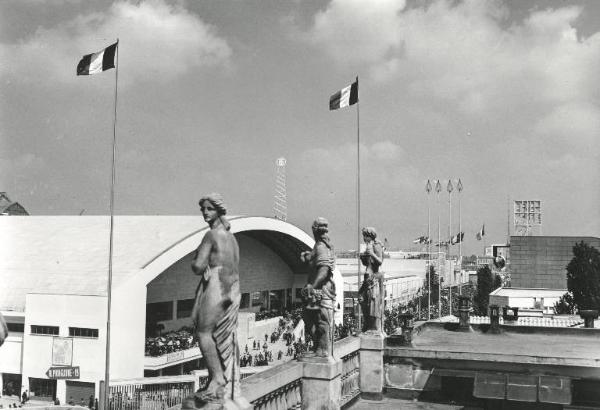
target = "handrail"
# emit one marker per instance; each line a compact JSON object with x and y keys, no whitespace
{"x":261,"y":384}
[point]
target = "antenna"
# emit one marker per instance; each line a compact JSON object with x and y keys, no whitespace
{"x":280,"y":199}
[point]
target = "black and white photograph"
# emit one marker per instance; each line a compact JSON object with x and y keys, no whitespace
{"x":300,"y":204}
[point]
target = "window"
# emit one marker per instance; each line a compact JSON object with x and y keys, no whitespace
{"x":255,"y":296}
{"x":156,"y":312}
{"x":245,"y":303}
{"x":185,"y":307}
{"x":83,"y":332}
{"x":16,"y":327}
{"x":44,"y":330}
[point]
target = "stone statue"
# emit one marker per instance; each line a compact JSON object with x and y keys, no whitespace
{"x":216,"y":308}
{"x":370,"y":294}
{"x":3,"y":330}
{"x":319,"y":293}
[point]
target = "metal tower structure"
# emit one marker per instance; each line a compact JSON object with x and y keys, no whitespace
{"x":280,"y":199}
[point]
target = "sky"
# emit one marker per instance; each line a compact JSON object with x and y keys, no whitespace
{"x":501,"y":94}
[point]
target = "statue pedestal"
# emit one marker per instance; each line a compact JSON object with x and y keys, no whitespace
{"x":371,"y":365}
{"x":321,"y":383}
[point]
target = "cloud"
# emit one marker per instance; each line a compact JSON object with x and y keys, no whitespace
{"x":471,"y":61}
{"x":157,"y":41}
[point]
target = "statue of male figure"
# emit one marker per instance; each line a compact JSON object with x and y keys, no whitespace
{"x":371,"y":292}
{"x":319,"y":293}
{"x":216,"y":308}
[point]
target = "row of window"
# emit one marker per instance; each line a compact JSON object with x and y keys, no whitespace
{"x":73,"y":331}
{"x":274,"y":299}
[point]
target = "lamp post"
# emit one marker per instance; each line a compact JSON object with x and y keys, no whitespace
{"x":450,"y":188}
{"x":438,"y":189}
{"x":459,"y":187}
{"x":428,"y":268}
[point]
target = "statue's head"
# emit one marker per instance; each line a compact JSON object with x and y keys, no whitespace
{"x":216,"y":201}
{"x":369,"y":233}
{"x":320,"y":227}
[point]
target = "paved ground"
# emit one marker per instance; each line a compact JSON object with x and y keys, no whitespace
{"x":395,"y":404}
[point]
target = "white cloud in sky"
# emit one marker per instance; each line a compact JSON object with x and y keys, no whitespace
{"x":158,"y":41}
{"x":470,"y":57}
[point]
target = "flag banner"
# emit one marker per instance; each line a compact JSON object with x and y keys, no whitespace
{"x":457,"y":238}
{"x":97,"y":62}
{"x":422,"y":239}
{"x":481,"y":233}
{"x":345,"y":97}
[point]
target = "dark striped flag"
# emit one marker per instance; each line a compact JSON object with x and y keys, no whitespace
{"x":97,"y":62}
{"x":345,"y":97}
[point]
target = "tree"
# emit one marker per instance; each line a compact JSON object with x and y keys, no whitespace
{"x":583,"y":276}
{"x":565,"y":305}
{"x":485,"y":285}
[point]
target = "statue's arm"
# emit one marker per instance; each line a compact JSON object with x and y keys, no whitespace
{"x":321,"y":277}
{"x":377,"y":254}
{"x":200,"y":262}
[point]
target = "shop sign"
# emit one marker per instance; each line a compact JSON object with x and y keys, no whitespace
{"x":171,"y":357}
{"x":68,"y":372}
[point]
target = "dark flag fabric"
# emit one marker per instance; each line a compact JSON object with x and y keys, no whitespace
{"x":97,"y":62}
{"x":481,"y":233}
{"x":457,"y":238}
{"x":345,"y":97}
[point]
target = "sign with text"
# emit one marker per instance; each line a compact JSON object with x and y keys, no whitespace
{"x":67,"y":372}
{"x":62,"y":351}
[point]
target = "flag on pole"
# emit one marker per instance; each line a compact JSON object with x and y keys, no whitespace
{"x":97,"y":62}
{"x":422,"y":239}
{"x":345,"y":97}
{"x":481,"y":233}
{"x":457,"y":238}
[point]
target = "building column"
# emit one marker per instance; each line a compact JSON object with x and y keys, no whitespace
{"x":321,"y":383}
{"x":1,"y":383}
{"x":371,"y":365}
{"x":61,"y":391}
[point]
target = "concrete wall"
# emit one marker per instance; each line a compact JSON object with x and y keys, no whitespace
{"x":541,"y":261}
{"x":64,"y":311}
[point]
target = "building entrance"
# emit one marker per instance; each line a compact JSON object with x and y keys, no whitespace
{"x":80,"y":392}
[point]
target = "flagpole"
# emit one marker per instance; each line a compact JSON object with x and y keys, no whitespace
{"x":110,"y":248}
{"x":358,"y":201}
{"x":439,"y":256}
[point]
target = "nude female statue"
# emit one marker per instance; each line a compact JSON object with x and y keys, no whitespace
{"x":217,"y":303}
{"x":371,"y":292}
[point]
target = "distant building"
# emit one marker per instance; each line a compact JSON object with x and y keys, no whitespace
{"x":541,"y":261}
{"x":8,"y":207}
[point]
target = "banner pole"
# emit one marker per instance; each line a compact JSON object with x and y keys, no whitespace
{"x":358,"y":203}
{"x":110,"y":247}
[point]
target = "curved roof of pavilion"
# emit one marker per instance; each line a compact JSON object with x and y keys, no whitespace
{"x":69,"y":254}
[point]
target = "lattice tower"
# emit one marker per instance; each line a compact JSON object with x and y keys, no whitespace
{"x":280,"y":199}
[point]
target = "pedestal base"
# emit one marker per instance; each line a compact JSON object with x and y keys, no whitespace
{"x":321,"y":383}
{"x":371,"y":365}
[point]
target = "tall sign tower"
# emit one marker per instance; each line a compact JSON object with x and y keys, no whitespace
{"x":527,"y":217}
{"x":280,"y":203}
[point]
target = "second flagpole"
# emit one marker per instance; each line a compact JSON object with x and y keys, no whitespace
{"x":358,"y":203}
{"x":110,"y":248}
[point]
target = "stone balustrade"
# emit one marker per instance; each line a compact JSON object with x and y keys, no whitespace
{"x":278,"y":388}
